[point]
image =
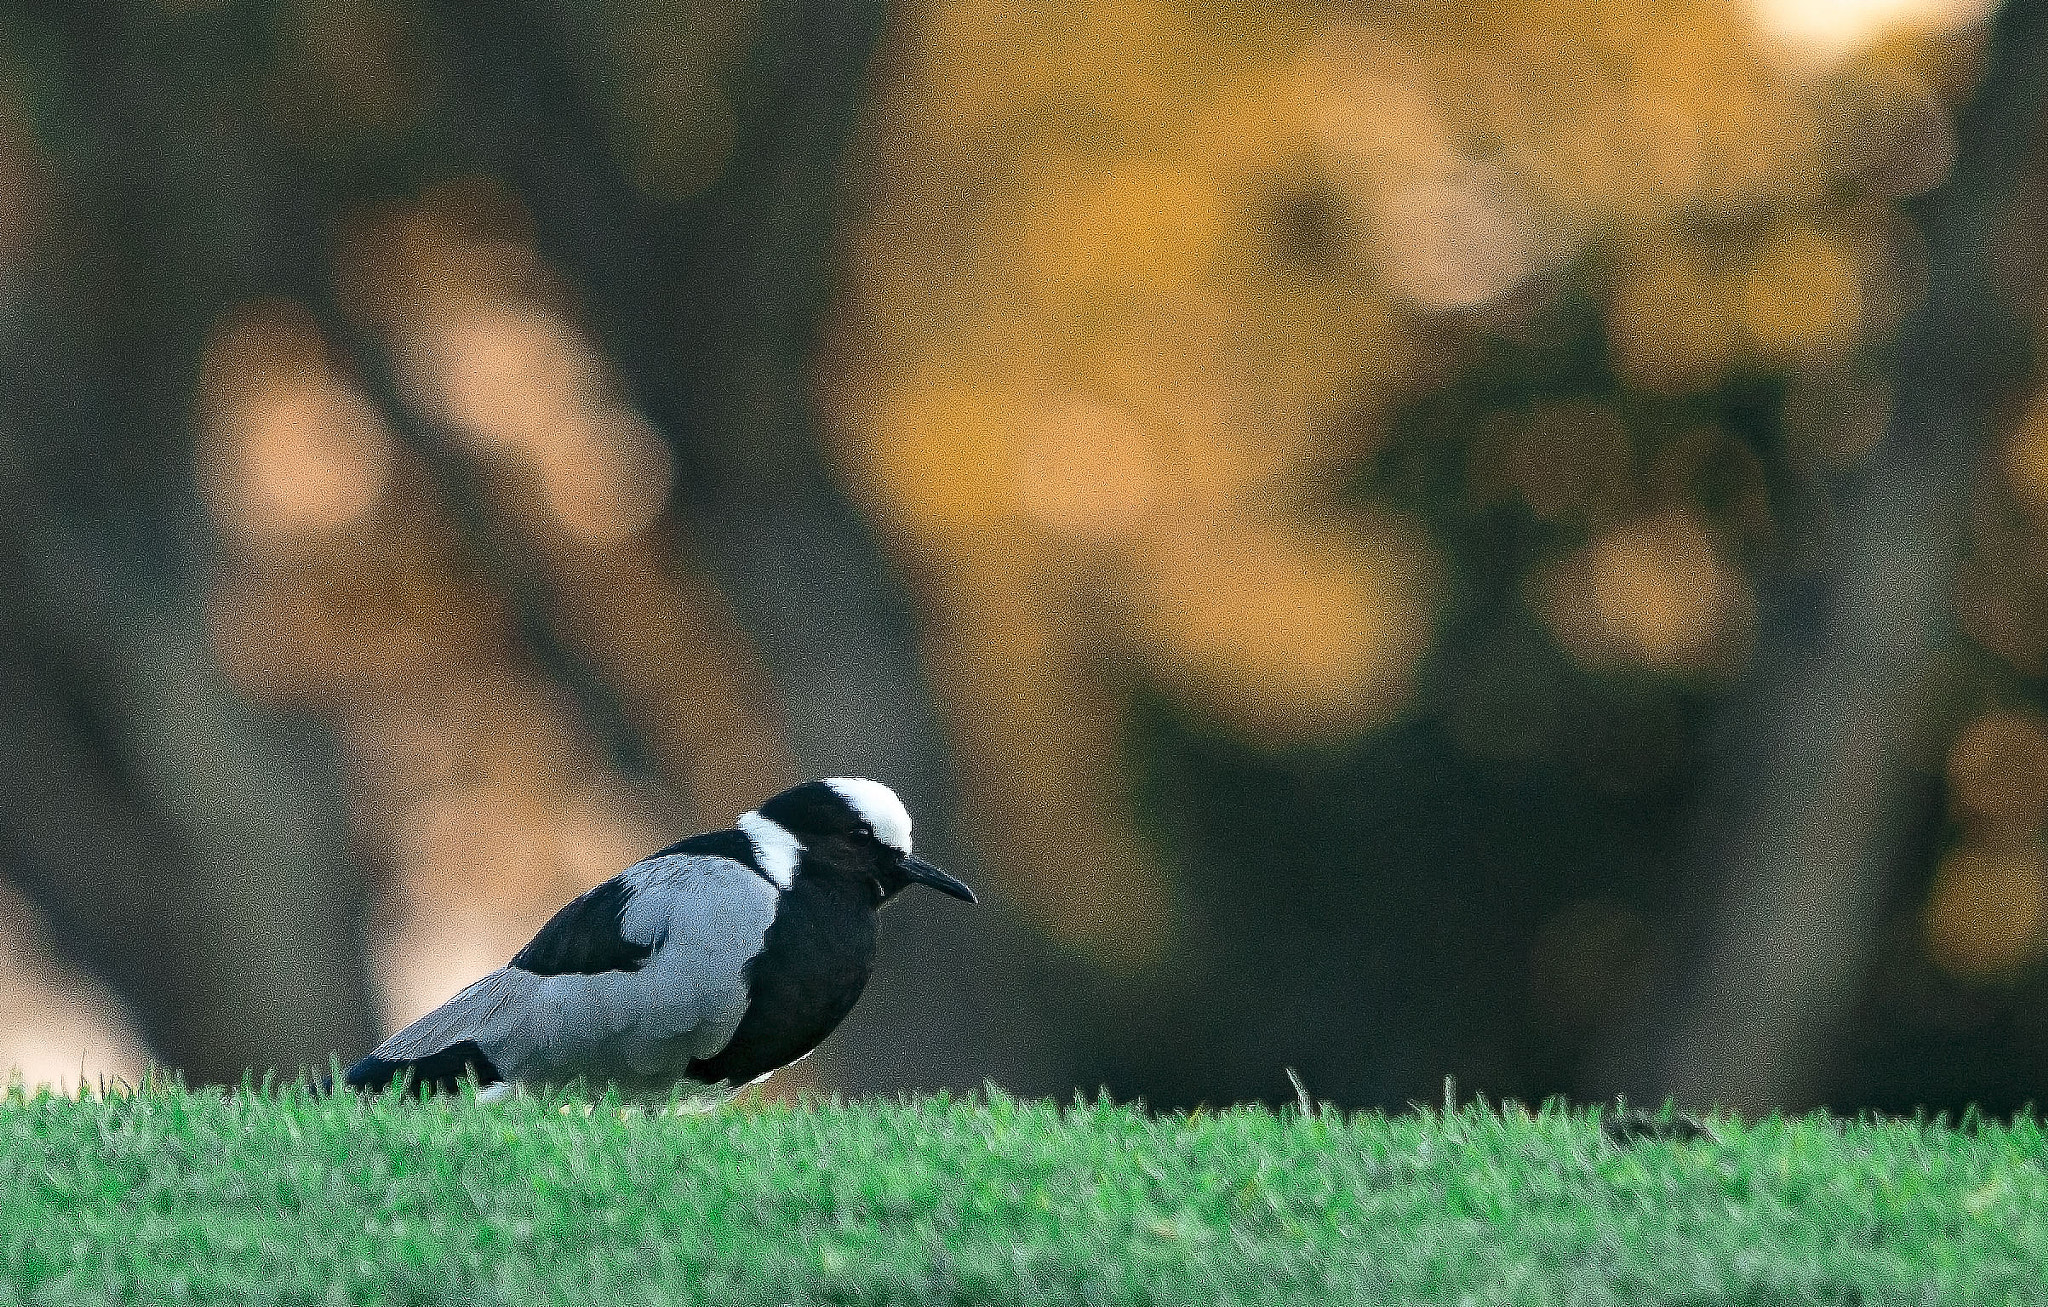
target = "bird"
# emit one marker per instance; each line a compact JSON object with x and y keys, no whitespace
{"x":693,"y":973}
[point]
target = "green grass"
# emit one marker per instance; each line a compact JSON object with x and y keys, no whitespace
{"x":174,"y":1196}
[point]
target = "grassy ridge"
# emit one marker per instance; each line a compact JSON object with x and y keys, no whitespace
{"x":195,"y":1197}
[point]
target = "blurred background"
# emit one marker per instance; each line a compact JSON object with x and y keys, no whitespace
{"x":1394,"y":540}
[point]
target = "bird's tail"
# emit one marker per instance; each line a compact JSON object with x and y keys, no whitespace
{"x":440,"y":1072}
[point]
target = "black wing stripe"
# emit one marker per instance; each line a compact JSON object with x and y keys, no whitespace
{"x":436,"y":1073}
{"x":586,"y":938}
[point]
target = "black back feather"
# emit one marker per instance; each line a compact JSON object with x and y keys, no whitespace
{"x":586,"y":937}
{"x":717,"y":844}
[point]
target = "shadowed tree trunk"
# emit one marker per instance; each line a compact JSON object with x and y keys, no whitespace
{"x":1801,"y":826}
{"x":186,"y":845}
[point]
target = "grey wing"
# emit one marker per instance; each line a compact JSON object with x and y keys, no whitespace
{"x":704,"y":918}
{"x":482,"y":1011}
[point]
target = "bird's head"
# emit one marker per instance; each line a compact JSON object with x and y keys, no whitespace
{"x":846,"y":828}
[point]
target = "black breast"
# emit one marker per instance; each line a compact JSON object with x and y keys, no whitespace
{"x":812,"y":966}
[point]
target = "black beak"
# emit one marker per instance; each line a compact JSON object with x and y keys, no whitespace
{"x":924,"y":873}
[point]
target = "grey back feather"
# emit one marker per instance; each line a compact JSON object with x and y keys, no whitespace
{"x":705,"y":917}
